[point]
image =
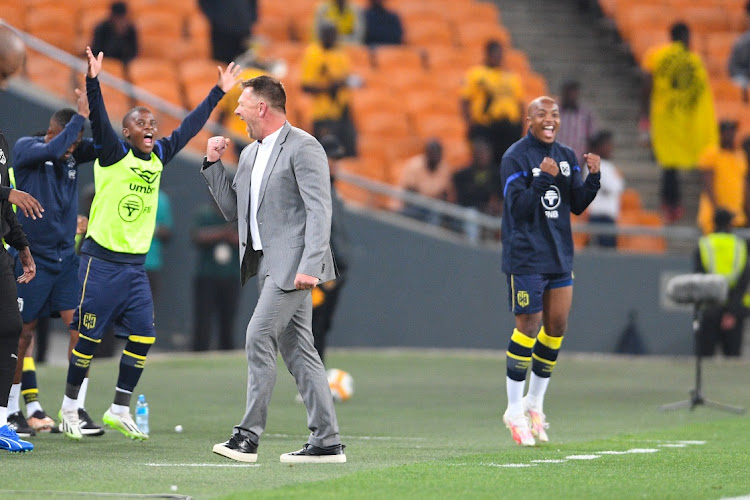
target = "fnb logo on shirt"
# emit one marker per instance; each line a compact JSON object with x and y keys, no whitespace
{"x":550,"y":201}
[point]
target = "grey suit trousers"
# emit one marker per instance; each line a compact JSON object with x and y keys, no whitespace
{"x":282,"y":323}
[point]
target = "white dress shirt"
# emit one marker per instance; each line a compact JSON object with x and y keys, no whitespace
{"x":259,"y":167}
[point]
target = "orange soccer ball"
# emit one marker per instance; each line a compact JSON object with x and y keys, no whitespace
{"x":12,"y":53}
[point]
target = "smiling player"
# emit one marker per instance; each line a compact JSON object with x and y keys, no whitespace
{"x":542,"y":185}
{"x":115,"y":286}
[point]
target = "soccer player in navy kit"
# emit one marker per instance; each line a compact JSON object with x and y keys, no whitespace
{"x":542,"y":185}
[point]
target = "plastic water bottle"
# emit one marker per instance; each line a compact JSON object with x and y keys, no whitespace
{"x":141,"y":414}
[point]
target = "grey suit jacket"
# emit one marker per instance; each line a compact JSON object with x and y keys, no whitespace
{"x":294,"y":211}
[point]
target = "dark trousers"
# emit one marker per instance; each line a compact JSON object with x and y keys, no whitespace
{"x":671,"y":195}
{"x":711,"y":334}
{"x":501,"y":135}
{"x":342,"y":129}
{"x":10,"y":325}
{"x":323,"y":319}
{"x":214,"y":300}
{"x":227,"y":46}
{"x":604,"y":240}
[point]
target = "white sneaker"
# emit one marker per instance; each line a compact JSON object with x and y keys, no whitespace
{"x":125,"y":424}
{"x":70,"y":425}
{"x":519,"y":429}
{"x":538,"y":422}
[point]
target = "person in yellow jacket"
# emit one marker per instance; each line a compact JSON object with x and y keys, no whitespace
{"x":724,"y":253}
{"x":677,"y":102}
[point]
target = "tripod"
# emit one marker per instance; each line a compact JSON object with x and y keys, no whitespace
{"x":696,"y":394}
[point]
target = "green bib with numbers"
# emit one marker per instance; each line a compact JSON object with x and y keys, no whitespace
{"x":123,"y":213}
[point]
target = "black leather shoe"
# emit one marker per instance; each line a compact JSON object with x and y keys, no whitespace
{"x":315,"y":455}
{"x":238,"y":448}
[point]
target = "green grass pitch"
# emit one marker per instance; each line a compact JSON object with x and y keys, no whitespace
{"x":421,"y":424}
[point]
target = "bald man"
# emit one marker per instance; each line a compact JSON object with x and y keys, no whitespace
{"x":12,"y":54}
{"x":542,"y":185}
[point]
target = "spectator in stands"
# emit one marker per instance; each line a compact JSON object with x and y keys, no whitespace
{"x":346,"y":18}
{"x":325,"y":70}
{"x":478,"y":185}
{"x":429,"y":175}
{"x":722,"y":252}
{"x":116,"y":36}
{"x":231,"y":26}
{"x":577,"y":121}
{"x":492,"y":102}
{"x":676,"y":99}
{"x":605,"y":208}
{"x":216,"y":289}
{"x":382,"y":26}
{"x":725,"y":179}
{"x":739,"y":59}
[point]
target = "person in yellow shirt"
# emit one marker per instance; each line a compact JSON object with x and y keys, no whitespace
{"x":347,"y":18}
{"x":724,"y":179}
{"x":325,"y":71}
{"x":677,"y":101}
{"x":492,"y":102}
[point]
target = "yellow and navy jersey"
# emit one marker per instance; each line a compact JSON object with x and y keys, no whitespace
{"x":322,"y":68}
{"x":536,"y":234}
{"x":493,"y":95}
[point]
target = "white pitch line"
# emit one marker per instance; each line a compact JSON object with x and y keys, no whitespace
{"x":511,"y":466}
{"x":583,"y":457}
{"x":202,"y":465}
{"x":611,"y":452}
{"x":673,"y":445}
{"x":643,"y":450}
{"x":549,"y":461}
{"x":364,"y":438}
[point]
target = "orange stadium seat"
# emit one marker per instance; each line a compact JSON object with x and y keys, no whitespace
{"x":420,"y":101}
{"x":445,"y":58}
{"x":443,"y":126}
{"x":457,"y":153}
{"x":199,"y":36}
{"x":405,"y":79}
{"x":88,"y":19}
{"x":13,"y":13}
{"x":630,"y":201}
{"x":369,"y":147}
{"x":516,"y":60}
{"x":729,"y":110}
{"x":162,"y":45}
{"x":706,"y":19}
{"x":402,"y":148}
{"x":476,"y":34}
{"x":384,"y":125}
{"x":361,"y":57}
{"x":390,"y":57}
{"x":534,"y":85}
{"x":725,"y":89}
{"x":275,"y":29}
{"x":469,"y":12}
{"x":428,"y":33}
{"x":51,"y":75}
{"x":580,"y":240}
{"x":641,"y":243}
{"x":143,"y":68}
{"x":54,"y":24}
{"x":639,"y":18}
{"x":367,"y":101}
{"x":290,"y":52}
{"x":167,"y":89}
{"x":647,"y":38}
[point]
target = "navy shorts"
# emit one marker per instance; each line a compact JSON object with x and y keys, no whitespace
{"x":526,"y":291}
{"x":113,"y":293}
{"x":51,"y":290}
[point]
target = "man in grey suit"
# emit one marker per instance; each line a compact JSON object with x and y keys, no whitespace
{"x":281,"y":198}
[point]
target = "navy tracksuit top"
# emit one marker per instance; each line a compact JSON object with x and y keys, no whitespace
{"x":536,"y":233}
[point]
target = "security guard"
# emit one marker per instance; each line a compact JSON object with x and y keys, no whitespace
{"x":724,"y":253}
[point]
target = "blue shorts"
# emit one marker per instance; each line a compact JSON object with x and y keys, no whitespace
{"x":51,"y":291}
{"x":526,"y":291}
{"x":113,"y":293}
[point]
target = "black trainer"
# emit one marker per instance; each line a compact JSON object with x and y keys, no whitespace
{"x":238,"y":448}
{"x":88,"y":426}
{"x":18,"y":423}
{"x":310,"y":454}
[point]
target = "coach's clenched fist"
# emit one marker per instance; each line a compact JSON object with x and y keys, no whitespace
{"x":216,"y":147}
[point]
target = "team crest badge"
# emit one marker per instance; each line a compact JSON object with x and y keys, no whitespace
{"x":565,"y":168}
